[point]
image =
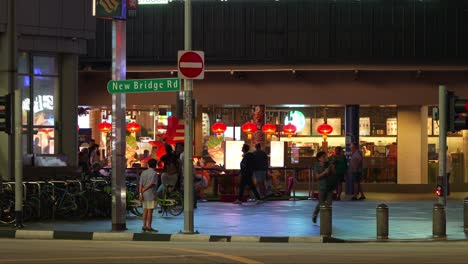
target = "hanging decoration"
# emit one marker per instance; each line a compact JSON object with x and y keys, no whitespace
{"x":325,"y":129}
{"x":218,"y":128}
{"x":133,"y":127}
{"x":269,"y":129}
{"x":289,"y":129}
{"x":46,"y":130}
{"x":105,"y":127}
{"x":249,"y":128}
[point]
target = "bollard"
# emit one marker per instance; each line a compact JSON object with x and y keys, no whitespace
{"x":382,"y":222}
{"x":438,"y":221}
{"x":465,"y":214}
{"x":325,"y":220}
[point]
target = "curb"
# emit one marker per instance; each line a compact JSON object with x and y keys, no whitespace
{"x":122,"y":236}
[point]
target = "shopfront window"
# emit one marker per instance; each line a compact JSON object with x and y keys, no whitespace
{"x":455,"y":142}
{"x":38,"y":81}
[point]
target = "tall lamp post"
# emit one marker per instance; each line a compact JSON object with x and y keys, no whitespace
{"x":117,"y":11}
{"x":188,"y":129}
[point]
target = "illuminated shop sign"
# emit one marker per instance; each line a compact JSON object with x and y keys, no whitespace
{"x":152,"y":2}
{"x":296,"y":118}
{"x":41,"y":103}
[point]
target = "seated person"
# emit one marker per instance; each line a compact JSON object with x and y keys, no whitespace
{"x":96,"y":172}
{"x":169,"y":176}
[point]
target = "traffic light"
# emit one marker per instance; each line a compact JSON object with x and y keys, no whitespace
{"x":439,"y":190}
{"x":6,"y":113}
{"x":457,"y":118}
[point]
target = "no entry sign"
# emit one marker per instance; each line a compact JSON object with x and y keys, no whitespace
{"x":191,"y":64}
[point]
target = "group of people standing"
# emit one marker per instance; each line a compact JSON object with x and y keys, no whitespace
{"x":253,"y":165}
{"x":330,"y":174}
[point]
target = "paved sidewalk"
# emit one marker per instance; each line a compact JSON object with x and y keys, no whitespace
{"x":410,"y":218}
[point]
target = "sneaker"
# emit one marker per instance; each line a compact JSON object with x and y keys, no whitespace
{"x":354,"y":198}
{"x":362,"y":198}
{"x":237,"y":201}
{"x":260,"y":201}
{"x":151,"y":229}
{"x":314,"y":219}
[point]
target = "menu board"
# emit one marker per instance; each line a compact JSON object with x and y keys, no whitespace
{"x":277,"y":154}
{"x":233,"y":154}
{"x":364,"y":126}
{"x":392,"y":126}
{"x":432,"y":127}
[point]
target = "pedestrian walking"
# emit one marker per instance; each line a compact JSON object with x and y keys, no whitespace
{"x":323,"y":173}
{"x":148,"y":183}
{"x":341,"y":166}
{"x":448,"y":169}
{"x":355,"y":164}
{"x":246,"y":173}
{"x":260,"y":168}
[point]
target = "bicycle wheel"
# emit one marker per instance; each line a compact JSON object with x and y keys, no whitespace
{"x":81,"y":209}
{"x":178,"y":207}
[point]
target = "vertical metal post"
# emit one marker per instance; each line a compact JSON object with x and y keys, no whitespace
{"x":15,"y":141}
{"x":325,"y":220}
{"x":382,"y":221}
{"x":438,"y":221}
{"x":119,"y":70}
{"x":188,"y":130}
{"x":442,"y":178}
{"x":465,"y":215}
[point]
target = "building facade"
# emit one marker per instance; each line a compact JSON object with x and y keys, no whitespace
{"x":50,"y":36}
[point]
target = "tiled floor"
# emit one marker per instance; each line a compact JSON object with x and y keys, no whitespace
{"x":409,"y":218}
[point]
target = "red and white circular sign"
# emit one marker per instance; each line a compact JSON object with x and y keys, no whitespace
{"x":191,"y":64}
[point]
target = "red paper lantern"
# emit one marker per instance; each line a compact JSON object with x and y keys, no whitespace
{"x":133,"y":127}
{"x":289,"y":129}
{"x":325,"y":129}
{"x":46,"y":130}
{"x":218,"y":128}
{"x":269,"y":129}
{"x":105,"y":127}
{"x":249,"y":128}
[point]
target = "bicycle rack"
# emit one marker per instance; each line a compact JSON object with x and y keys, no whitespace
{"x":73,"y":182}
{"x":95,"y":181}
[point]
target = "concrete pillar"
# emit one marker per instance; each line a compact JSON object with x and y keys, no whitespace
{"x":352,"y":135}
{"x":412,"y":145}
{"x":68,"y":104}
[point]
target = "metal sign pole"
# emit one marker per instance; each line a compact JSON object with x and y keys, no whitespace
{"x":188,"y":131}
{"x":443,"y":143}
{"x":119,"y":70}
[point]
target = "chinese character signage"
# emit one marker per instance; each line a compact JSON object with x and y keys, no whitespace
{"x":109,"y":9}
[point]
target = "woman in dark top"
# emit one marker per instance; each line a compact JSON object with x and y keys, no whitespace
{"x":341,"y":166}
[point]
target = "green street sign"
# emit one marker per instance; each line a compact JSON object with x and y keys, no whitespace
{"x":144,"y":85}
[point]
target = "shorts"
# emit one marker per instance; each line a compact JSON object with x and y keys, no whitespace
{"x":356,"y":176}
{"x":149,"y":204}
{"x":260,"y":176}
